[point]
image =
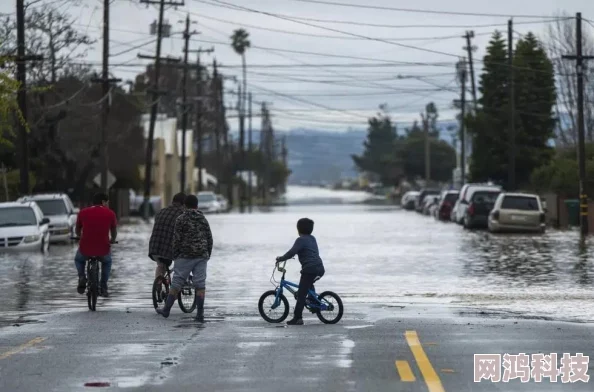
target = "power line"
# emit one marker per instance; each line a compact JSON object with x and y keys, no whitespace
{"x":328,"y":36}
{"x":390,"y":26}
{"x":420,"y":11}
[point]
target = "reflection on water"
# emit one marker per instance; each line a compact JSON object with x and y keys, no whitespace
{"x":373,"y":255}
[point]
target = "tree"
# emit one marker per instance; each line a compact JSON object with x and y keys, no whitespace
{"x":488,"y":128}
{"x":50,"y":34}
{"x":240,"y":41}
{"x":535,"y":97}
{"x":562,"y":41}
{"x":8,"y":105}
{"x":442,"y":155}
{"x":380,"y":155}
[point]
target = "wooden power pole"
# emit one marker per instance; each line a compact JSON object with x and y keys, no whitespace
{"x":579,"y":64}
{"x":512,"y":124}
{"x":155,"y":101}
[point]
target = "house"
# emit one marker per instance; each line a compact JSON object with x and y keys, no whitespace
{"x":167,"y":147}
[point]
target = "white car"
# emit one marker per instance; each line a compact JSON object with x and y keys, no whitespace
{"x":23,"y":227}
{"x":59,"y":209}
{"x":223,"y":203}
{"x":207,"y":202}
{"x":465,"y":197}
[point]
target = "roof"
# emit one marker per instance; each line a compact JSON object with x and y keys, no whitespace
{"x":44,"y":196}
{"x":521,"y":194}
{"x":12,"y":204}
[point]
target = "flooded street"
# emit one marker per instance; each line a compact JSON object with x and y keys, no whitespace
{"x":373,"y":256}
{"x":421,"y":294}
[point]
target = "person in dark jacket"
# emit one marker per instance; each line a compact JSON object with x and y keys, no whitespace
{"x":192,"y":247}
{"x":312,"y":267}
{"x":161,"y":242}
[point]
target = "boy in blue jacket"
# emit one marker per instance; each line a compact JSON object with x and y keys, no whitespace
{"x":306,"y":247}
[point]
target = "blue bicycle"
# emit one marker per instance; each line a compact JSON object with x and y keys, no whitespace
{"x":274,"y":307}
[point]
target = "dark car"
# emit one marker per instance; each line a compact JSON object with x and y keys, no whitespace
{"x":481,"y":204}
{"x":446,"y":204}
{"x":420,"y":202}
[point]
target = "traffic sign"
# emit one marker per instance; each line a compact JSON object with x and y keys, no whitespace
{"x":110,"y":179}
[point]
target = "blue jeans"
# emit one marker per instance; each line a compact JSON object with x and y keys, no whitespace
{"x":80,"y":261}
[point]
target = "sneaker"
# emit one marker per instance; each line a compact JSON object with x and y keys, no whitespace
{"x":295,"y":321}
{"x":104,"y":292}
{"x":82,"y":285}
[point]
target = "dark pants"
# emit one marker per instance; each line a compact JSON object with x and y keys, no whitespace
{"x":305,"y":284}
{"x":80,"y":261}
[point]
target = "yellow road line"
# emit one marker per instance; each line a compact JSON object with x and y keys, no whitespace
{"x":405,"y":371}
{"x":431,"y":378}
{"x":22,"y":347}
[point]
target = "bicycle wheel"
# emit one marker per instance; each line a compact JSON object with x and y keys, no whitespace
{"x":186,"y":299}
{"x":334,"y":313}
{"x":93,"y":291}
{"x":276,"y":315}
{"x":160,"y":292}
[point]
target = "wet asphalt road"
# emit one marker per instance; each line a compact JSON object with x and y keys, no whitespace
{"x":462,"y":293}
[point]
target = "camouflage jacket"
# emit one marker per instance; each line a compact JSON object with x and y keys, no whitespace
{"x":192,"y":238}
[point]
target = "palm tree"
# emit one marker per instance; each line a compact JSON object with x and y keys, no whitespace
{"x":240,"y":42}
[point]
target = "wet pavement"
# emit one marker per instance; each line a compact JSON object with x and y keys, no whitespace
{"x":461,"y":292}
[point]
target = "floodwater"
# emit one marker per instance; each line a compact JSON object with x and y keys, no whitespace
{"x":373,"y":256}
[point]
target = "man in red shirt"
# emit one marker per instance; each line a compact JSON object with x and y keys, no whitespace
{"x":93,"y":227}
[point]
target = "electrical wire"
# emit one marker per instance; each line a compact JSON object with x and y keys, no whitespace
{"x":419,"y":11}
{"x":133,"y":48}
{"x":356,"y":23}
{"x":328,"y":36}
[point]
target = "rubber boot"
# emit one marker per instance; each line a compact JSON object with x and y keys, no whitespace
{"x":168,"y":304}
{"x":200,"y":305}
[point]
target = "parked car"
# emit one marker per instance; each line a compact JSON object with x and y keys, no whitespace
{"x":420,"y":201}
{"x":137,"y":203}
{"x":466,"y":194}
{"x":430,"y":202}
{"x":23,"y":227}
{"x":59,"y":209}
{"x":446,"y":204}
{"x":481,"y":204}
{"x":224,"y":204}
{"x":518,"y":212}
{"x":207,"y":202}
{"x":408,"y":200}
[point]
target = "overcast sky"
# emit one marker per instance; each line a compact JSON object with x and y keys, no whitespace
{"x":308,"y":92}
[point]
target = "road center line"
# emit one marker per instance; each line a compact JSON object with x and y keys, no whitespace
{"x":22,"y":347}
{"x":429,"y":374}
{"x":405,"y":371}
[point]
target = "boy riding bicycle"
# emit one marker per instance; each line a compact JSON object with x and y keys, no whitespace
{"x":312,"y":267}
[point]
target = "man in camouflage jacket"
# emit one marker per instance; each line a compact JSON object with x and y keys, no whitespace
{"x":192,"y":247}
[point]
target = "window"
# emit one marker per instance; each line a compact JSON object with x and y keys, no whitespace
{"x":17,"y":216}
{"x":526,"y":203}
{"x":485,"y":196}
{"x":451,"y":198}
{"x":52,"y":207}
{"x":206,"y":198}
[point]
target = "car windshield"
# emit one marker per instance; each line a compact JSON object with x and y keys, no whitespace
{"x":451,"y":197}
{"x":17,"y":216}
{"x":205,"y":198}
{"x":52,"y":207}
{"x":485,"y":197}
{"x":527,"y":203}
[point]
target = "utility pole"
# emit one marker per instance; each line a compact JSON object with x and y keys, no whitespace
{"x":469,"y":49}
{"x":579,"y":64}
{"x":512,"y":104}
{"x":250,"y":152}
{"x":21,"y":60}
{"x":461,"y":67}
{"x":199,"y":110}
{"x":106,"y":102}
{"x":155,"y":102}
{"x":185,"y":106}
{"x":240,"y":109}
{"x":427,"y":149}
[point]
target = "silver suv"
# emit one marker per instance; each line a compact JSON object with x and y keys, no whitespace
{"x":61,"y":212}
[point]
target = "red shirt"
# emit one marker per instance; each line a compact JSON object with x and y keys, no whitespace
{"x":96,"y":223}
